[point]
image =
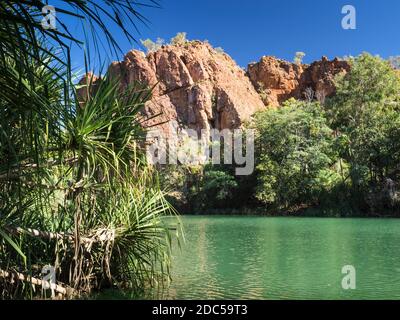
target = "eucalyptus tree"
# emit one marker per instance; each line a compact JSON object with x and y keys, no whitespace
{"x":365,"y":116}
{"x":295,"y":158}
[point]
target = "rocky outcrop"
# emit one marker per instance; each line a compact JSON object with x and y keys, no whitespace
{"x":278,"y":80}
{"x":201,"y":88}
{"x":89,"y":80}
{"x":320,"y":75}
{"x":195,"y":85}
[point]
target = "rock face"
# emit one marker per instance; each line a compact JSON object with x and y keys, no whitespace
{"x":278,"y":80}
{"x":201,"y":89}
{"x":90,"y":80}
{"x":195,"y":85}
{"x":319,"y":76}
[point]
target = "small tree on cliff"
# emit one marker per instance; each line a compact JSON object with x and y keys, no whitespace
{"x":298,"y":58}
{"x":152,"y":46}
{"x":179,"y":39}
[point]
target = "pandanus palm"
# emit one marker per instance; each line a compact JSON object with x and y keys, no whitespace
{"x":76,"y":192}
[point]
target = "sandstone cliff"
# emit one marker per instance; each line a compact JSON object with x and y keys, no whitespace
{"x":278,"y":80}
{"x":195,"y":85}
{"x":201,"y":88}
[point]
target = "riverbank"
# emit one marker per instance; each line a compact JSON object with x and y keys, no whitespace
{"x":306,"y":212}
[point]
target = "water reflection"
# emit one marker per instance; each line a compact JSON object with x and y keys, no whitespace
{"x":285,"y":258}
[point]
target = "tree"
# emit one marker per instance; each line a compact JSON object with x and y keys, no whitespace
{"x":365,"y":116}
{"x":152,"y":46}
{"x":201,"y":187}
{"x":372,"y":84}
{"x":298,"y":58}
{"x":179,"y":39}
{"x":294,"y":154}
{"x":217,"y":187}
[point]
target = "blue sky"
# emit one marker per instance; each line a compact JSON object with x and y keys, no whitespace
{"x":250,"y":29}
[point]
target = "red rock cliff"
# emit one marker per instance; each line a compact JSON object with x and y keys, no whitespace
{"x":278,"y":80}
{"x":201,"y":88}
{"x":197,"y":86}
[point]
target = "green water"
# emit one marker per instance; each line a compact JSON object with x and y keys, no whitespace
{"x":286,"y":258}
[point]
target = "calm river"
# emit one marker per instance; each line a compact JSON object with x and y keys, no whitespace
{"x":285,"y":258}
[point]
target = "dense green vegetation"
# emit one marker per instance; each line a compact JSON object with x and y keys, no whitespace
{"x":76,"y":193}
{"x":294,"y":155}
{"x":341,"y":157}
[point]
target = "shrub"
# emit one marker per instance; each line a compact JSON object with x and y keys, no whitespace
{"x":152,"y":46}
{"x":179,"y":39}
{"x":298,"y":58}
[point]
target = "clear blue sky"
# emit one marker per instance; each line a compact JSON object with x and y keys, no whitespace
{"x":250,"y":29}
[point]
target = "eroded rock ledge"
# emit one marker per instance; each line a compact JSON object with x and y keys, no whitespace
{"x":278,"y":80}
{"x":201,"y":88}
